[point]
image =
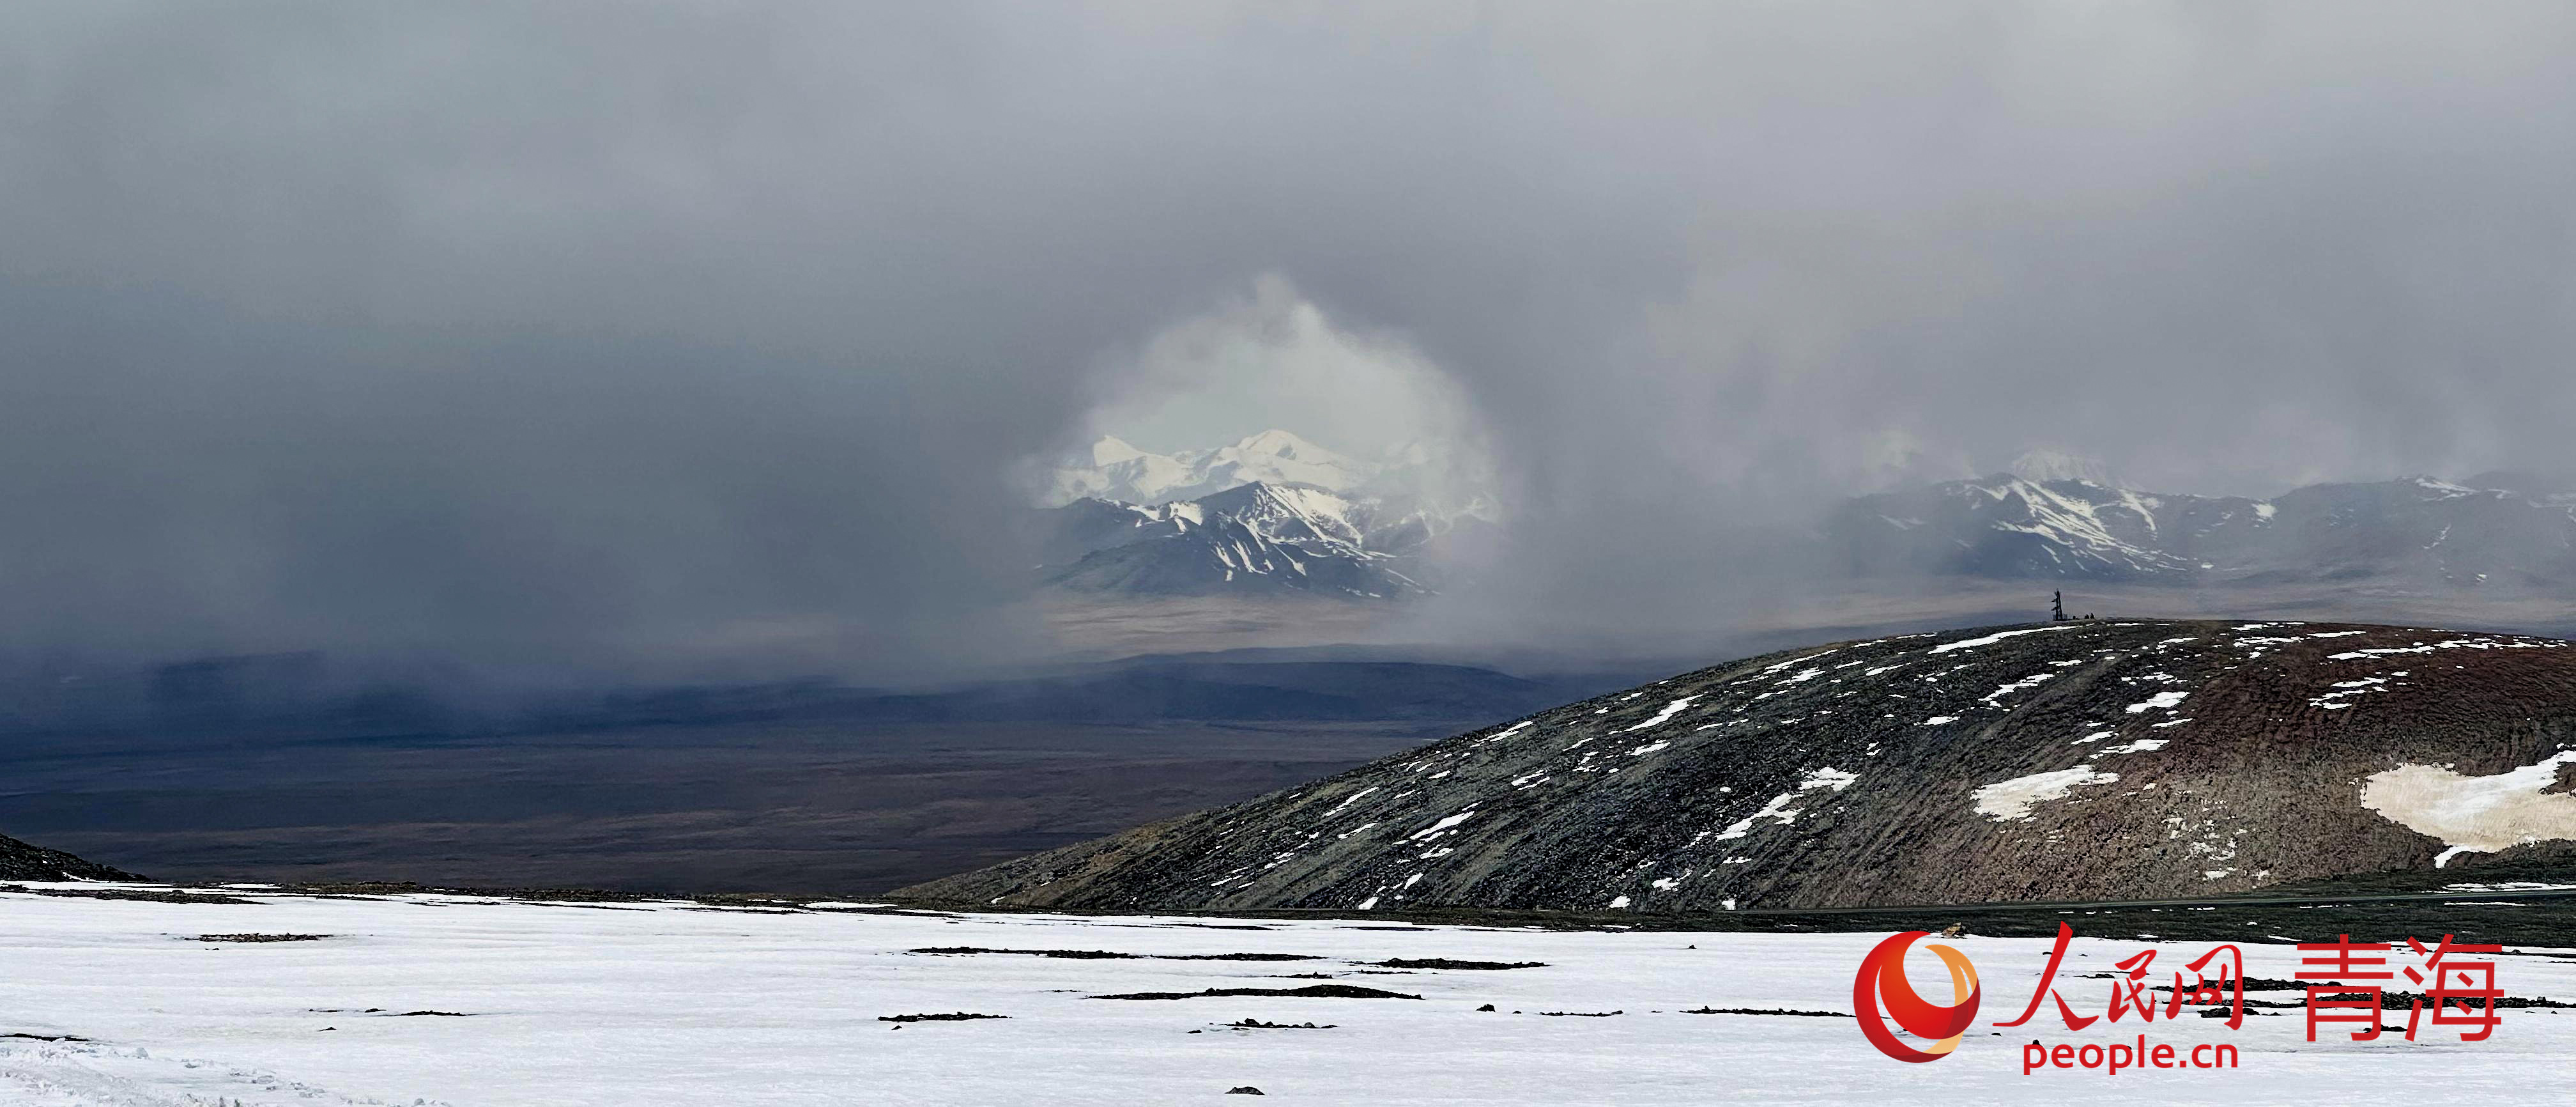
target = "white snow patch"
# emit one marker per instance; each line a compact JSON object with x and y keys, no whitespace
{"x":2480,"y":814}
{"x":2161,"y":700}
{"x":2010,"y":800}
{"x":1835,"y":779}
{"x":1941,"y":720}
{"x":2447,"y":644}
{"x":1349,"y":800}
{"x":2345,"y":690}
{"x":1664,"y":716}
{"x":2031,"y":681}
{"x":1442,"y":825}
{"x":1991,"y":639}
{"x":2142,"y":745}
{"x":1777,"y":809}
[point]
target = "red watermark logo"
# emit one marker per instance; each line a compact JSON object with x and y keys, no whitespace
{"x":1882,"y":973}
{"x":2459,"y":993}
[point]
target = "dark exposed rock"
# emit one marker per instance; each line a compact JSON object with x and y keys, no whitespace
{"x":2085,"y":760}
{"x":1449,"y":963}
{"x":1318,"y":991}
{"x":21,"y":861}
{"x":260,"y":938}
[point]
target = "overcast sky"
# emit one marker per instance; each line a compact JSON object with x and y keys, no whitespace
{"x":596,"y":332}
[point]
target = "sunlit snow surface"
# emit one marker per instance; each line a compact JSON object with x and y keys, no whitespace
{"x":668,"y":1003}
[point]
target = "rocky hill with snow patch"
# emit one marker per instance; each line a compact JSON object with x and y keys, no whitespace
{"x":2086,"y":760}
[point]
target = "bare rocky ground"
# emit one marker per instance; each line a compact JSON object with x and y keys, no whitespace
{"x":2076,"y":762}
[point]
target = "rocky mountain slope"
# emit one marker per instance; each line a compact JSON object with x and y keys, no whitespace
{"x":20,"y":861}
{"x":2084,"y":760}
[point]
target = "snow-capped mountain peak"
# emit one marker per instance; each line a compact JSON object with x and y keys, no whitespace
{"x":1282,"y":444}
{"x":1111,"y":450}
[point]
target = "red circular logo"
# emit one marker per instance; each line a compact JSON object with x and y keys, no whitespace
{"x":1882,"y":973}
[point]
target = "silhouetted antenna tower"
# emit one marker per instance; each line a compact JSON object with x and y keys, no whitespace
{"x":2057,"y":607}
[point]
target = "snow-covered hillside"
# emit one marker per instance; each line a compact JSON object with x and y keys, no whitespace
{"x":438,"y":1000}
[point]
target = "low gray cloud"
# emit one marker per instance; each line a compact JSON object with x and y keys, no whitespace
{"x":607,"y":336}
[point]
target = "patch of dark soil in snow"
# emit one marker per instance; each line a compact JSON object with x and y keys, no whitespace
{"x":1322,"y":991}
{"x":255,"y":938}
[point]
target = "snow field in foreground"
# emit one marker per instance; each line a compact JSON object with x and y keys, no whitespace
{"x":661,"y":1004}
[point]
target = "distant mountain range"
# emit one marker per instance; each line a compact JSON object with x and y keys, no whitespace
{"x":1293,"y":518}
{"x":2496,"y":530}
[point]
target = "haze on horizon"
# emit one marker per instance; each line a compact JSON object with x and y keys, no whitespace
{"x":701,"y":340}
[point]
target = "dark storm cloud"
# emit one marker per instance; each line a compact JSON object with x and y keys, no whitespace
{"x":597,"y":333}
